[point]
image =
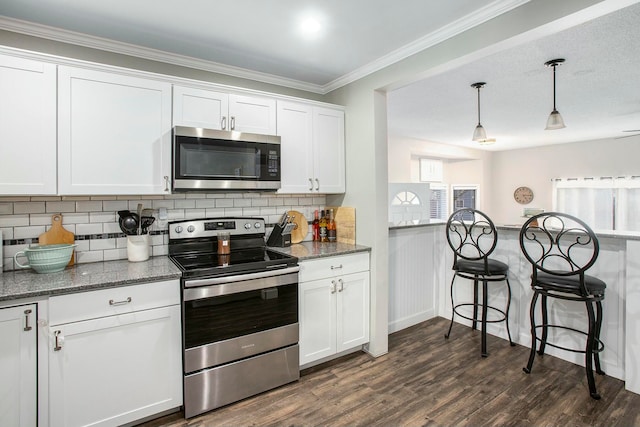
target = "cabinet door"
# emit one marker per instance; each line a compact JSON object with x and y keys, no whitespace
{"x":18,"y":367}
{"x":114,"y":133}
{"x":252,"y":114}
{"x":317,"y":307}
{"x":296,"y":137}
{"x":328,"y":143}
{"x":353,"y":310}
{"x":114,"y":370}
{"x":27,"y":127}
{"x":200,"y":108}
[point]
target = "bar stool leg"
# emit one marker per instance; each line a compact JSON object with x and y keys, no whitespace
{"x":453,"y":308}
{"x":506,"y":318}
{"x":485,"y":303}
{"x":589,"y":352}
{"x":596,"y":354}
{"x":545,"y":326}
{"x":532,"y":315}
{"x":475,"y":303}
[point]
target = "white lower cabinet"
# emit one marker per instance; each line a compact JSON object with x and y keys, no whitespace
{"x":334,"y":305}
{"x":18,"y":366}
{"x":115,"y":355}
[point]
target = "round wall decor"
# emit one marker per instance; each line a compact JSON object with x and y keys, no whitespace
{"x":523,"y":195}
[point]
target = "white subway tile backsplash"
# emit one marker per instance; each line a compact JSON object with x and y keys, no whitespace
{"x":102,"y":244}
{"x":89,"y":228}
{"x":115,"y":205}
{"x":185,"y":204}
{"x":14,"y":220}
{"x":89,"y":206}
{"x":94,"y":219}
{"x":224,"y":203}
{"x":6,"y":208}
{"x":29,"y":207}
{"x":28,"y":232}
{"x":60,"y":207}
{"x":206,"y":203}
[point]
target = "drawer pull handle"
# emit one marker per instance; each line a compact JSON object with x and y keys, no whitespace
{"x":333,"y":267}
{"x":26,"y":320}
{"x":59,"y":340}
{"x":127,"y":301}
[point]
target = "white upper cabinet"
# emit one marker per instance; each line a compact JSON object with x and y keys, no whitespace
{"x":114,"y":133}
{"x":312,"y":148}
{"x":200,"y":108}
{"x":27,"y":126}
{"x":217,"y":110}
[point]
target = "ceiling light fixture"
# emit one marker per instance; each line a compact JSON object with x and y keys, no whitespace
{"x":555,"y":120}
{"x":479,"y":134}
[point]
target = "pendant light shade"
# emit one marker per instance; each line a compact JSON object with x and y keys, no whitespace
{"x":555,"y":120}
{"x":479,"y":134}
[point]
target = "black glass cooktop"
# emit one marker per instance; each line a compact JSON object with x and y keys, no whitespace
{"x":247,"y":260}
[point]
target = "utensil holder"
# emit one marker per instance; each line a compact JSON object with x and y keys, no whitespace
{"x":138,"y":248}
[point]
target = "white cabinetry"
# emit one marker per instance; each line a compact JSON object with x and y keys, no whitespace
{"x":312,"y":148}
{"x":115,"y":355}
{"x":114,"y":133}
{"x":217,"y":110}
{"x":18,"y":366}
{"x":334,"y":305}
{"x":27,"y":126}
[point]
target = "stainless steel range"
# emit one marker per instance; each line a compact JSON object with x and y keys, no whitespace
{"x":240,"y":311}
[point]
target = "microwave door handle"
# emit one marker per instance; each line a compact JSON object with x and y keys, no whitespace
{"x":223,"y":123}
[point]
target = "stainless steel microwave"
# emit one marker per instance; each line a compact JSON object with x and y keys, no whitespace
{"x":209,"y":159}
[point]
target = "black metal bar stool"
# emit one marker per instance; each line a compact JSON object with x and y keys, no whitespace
{"x":561,"y":248}
{"x":473,"y":237}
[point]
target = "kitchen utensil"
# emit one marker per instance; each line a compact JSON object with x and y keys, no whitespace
{"x":139,"y":216}
{"x":301,"y":226}
{"x":129,"y":223}
{"x":58,"y":234}
{"x":146,"y":223}
{"x":46,"y":258}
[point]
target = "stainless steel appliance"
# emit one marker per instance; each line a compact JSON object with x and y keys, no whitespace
{"x":205,"y":159}
{"x":240,"y":312}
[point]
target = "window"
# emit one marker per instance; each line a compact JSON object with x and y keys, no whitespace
{"x":438,"y":202}
{"x":464,"y":196}
{"x":430,"y":170}
{"x":605,"y":203}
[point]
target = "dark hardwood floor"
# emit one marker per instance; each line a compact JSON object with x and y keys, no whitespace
{"x":426,"y":380}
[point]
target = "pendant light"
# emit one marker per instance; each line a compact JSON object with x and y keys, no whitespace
{"x":479,"y":134}
{"x":555,"y":120}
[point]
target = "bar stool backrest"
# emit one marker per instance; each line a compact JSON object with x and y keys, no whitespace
{"x":559,"y":244}
{"x":471,"y":234}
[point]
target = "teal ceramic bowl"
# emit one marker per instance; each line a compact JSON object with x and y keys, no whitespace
{"x":46,"y":258}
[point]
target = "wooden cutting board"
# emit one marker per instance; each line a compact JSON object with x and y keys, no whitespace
{"x":345,"y":218}
{"x":58,"y":234}
{"x":301,"y":229}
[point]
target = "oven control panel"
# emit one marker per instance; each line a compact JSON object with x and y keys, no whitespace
{"x":210,"y":227}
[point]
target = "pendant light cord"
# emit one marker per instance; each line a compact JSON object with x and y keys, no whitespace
{"x":479,"y":105}
{"x":554,"y":86}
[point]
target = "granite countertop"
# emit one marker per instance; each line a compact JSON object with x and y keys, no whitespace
{"x":21,"y":284}
{"x":25,"y":284}
{"x":309,"y":250}
{"x":415,"y":223}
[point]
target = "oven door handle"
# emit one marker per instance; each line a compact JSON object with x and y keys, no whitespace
{"x":215,"y":286}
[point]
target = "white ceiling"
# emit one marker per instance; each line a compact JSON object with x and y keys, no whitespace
{"x":598,"y":86}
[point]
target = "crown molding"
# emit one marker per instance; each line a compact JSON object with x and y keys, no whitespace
{"x":461,"y":25}
{"x":486,"y":13}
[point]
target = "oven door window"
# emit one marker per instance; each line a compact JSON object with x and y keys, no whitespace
{"x":219,"y":159}
{"x":229,"y":316}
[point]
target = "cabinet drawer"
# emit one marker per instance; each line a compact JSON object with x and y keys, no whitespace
{"x":112,"y":301}
{"x":333,"y":266}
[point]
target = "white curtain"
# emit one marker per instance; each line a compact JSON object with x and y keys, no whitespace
{"x":605,"y":203}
